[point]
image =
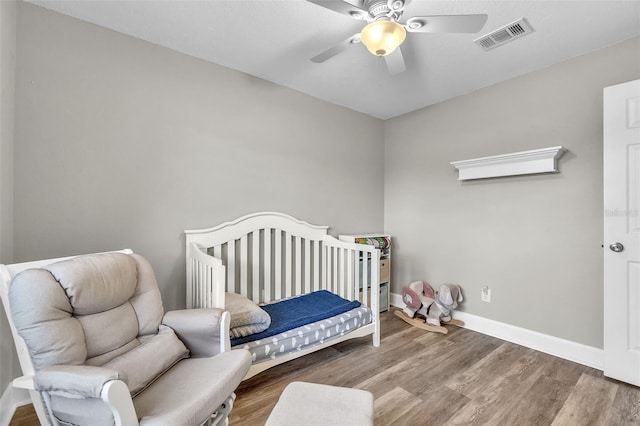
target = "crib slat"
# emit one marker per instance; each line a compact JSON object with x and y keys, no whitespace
{"x":298,"y":256}
{"x":307,"y":266}
{"x":334,"y":288}
{"x":255,"y":270}
{"x":342,"y":258}
{"x":196,"y":277}
{"x":365,"y":278}
{"x":330,"y":269}
{"x":325,"y":266}
{"x":231,"y":266}
{"x":278,"y":266}
{"x":334,"y":271}
{"x":189,"y":284}
{"x":217,"y":252}
{"x":194,"y":284}
{"x":244,"y":265}
{"x":267,"y":265}
{"x":350,"y":285}
{"x":203,"y":289}
{"x":207,"y":275}
{"x":287,"y":264}
{"x":357,"y":263}
{"x":203,"y":277}
{"x":316,"y":266}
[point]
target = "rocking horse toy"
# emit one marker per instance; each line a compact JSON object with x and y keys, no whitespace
{"x":420,"y":299}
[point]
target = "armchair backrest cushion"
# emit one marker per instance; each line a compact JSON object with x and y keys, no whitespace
{"x":102,"y":309}
{"x":43,"y":317}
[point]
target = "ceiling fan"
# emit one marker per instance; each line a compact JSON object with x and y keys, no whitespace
{"x":384,"y":32}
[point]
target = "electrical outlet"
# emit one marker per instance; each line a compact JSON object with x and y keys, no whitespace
{"x":486,"y":294}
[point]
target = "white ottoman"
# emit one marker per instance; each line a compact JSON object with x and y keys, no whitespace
{"x":311,"y":404}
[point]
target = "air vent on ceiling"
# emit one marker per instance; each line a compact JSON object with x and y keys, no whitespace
{"x":504,"y":35}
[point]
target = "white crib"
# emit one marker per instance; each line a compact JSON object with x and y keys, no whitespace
{"x":269,"y":256}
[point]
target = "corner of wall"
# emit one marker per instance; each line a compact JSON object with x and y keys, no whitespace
{"x":8,"y":23}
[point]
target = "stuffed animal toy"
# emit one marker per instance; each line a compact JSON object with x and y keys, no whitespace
{"x":417,"y":297}
{"x":445,"y":302}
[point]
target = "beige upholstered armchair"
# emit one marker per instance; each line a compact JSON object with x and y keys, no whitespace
{"x":96,"y":347}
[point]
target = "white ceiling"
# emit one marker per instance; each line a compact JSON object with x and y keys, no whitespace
{"x":274,"y":39}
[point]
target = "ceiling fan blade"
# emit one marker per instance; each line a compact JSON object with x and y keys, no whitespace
{"x":446,"y":24}
{"x":352,"y":9}
{"x":395,"y":62}
{"x":338,"y":48}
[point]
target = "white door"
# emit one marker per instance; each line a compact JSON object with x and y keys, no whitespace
{"x":622,"y":232}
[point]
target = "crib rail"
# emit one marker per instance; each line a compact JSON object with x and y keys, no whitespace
{"x":205,"y":279}
{"x":270,"y":256}
{"x":352,"y":271}
{"x":266,"y":270}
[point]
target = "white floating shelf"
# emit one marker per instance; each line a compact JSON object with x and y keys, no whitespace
{"x":518,"y":163}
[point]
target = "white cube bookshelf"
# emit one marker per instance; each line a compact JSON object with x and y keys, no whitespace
{"x":385,"y":265}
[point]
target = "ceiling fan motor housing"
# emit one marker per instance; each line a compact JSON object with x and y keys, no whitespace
{"x":385,"y":8}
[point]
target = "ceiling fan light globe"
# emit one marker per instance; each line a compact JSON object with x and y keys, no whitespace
{"x":382,"y":37}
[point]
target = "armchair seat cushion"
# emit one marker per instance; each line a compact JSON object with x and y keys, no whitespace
{"x":90,"y":411}
{"x":186,"y":394}
{"x":154,"y":356}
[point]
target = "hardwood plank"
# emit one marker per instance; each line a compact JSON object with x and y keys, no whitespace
{"x":439,"y":405}
{"x":361,"y":364}
{"x":588,"y":402}
{"x":505,"y":391}
{"x":394,"y":406}
{"x":444,"y":364}
{"x":499,"y":393}
{"x":474,"y":380}
{"x":291,"y":368}
{"x":563,"y":371}
{"x":407,"y":369}
{"x":25,"y":416}
{"x":537,"y":406}
{"x":625,"y":409}
{"x":530,"y":365}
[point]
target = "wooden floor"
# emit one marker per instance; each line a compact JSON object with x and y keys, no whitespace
{"x":462,"y":378}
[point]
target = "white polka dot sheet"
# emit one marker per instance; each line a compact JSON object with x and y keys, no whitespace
{"x":307,"y":335}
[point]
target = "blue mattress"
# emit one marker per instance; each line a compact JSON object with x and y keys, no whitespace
{"x":298,"y":311}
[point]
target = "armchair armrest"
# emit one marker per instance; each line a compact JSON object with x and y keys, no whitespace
{"x":204,"y":331}
{"x":24,"y":382}
{"x":84,"y":381}
{"x":75,"y":381}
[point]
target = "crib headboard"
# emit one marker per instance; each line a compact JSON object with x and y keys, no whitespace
{"x":269,"y":256}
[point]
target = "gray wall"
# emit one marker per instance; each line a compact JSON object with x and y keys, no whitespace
{"x":121,"y":143}
{"x":535,"y":240}
{"x":7,"y":82}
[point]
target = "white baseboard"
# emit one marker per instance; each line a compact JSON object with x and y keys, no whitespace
{"x":11,"y":399}
{"x":566,"y":349}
